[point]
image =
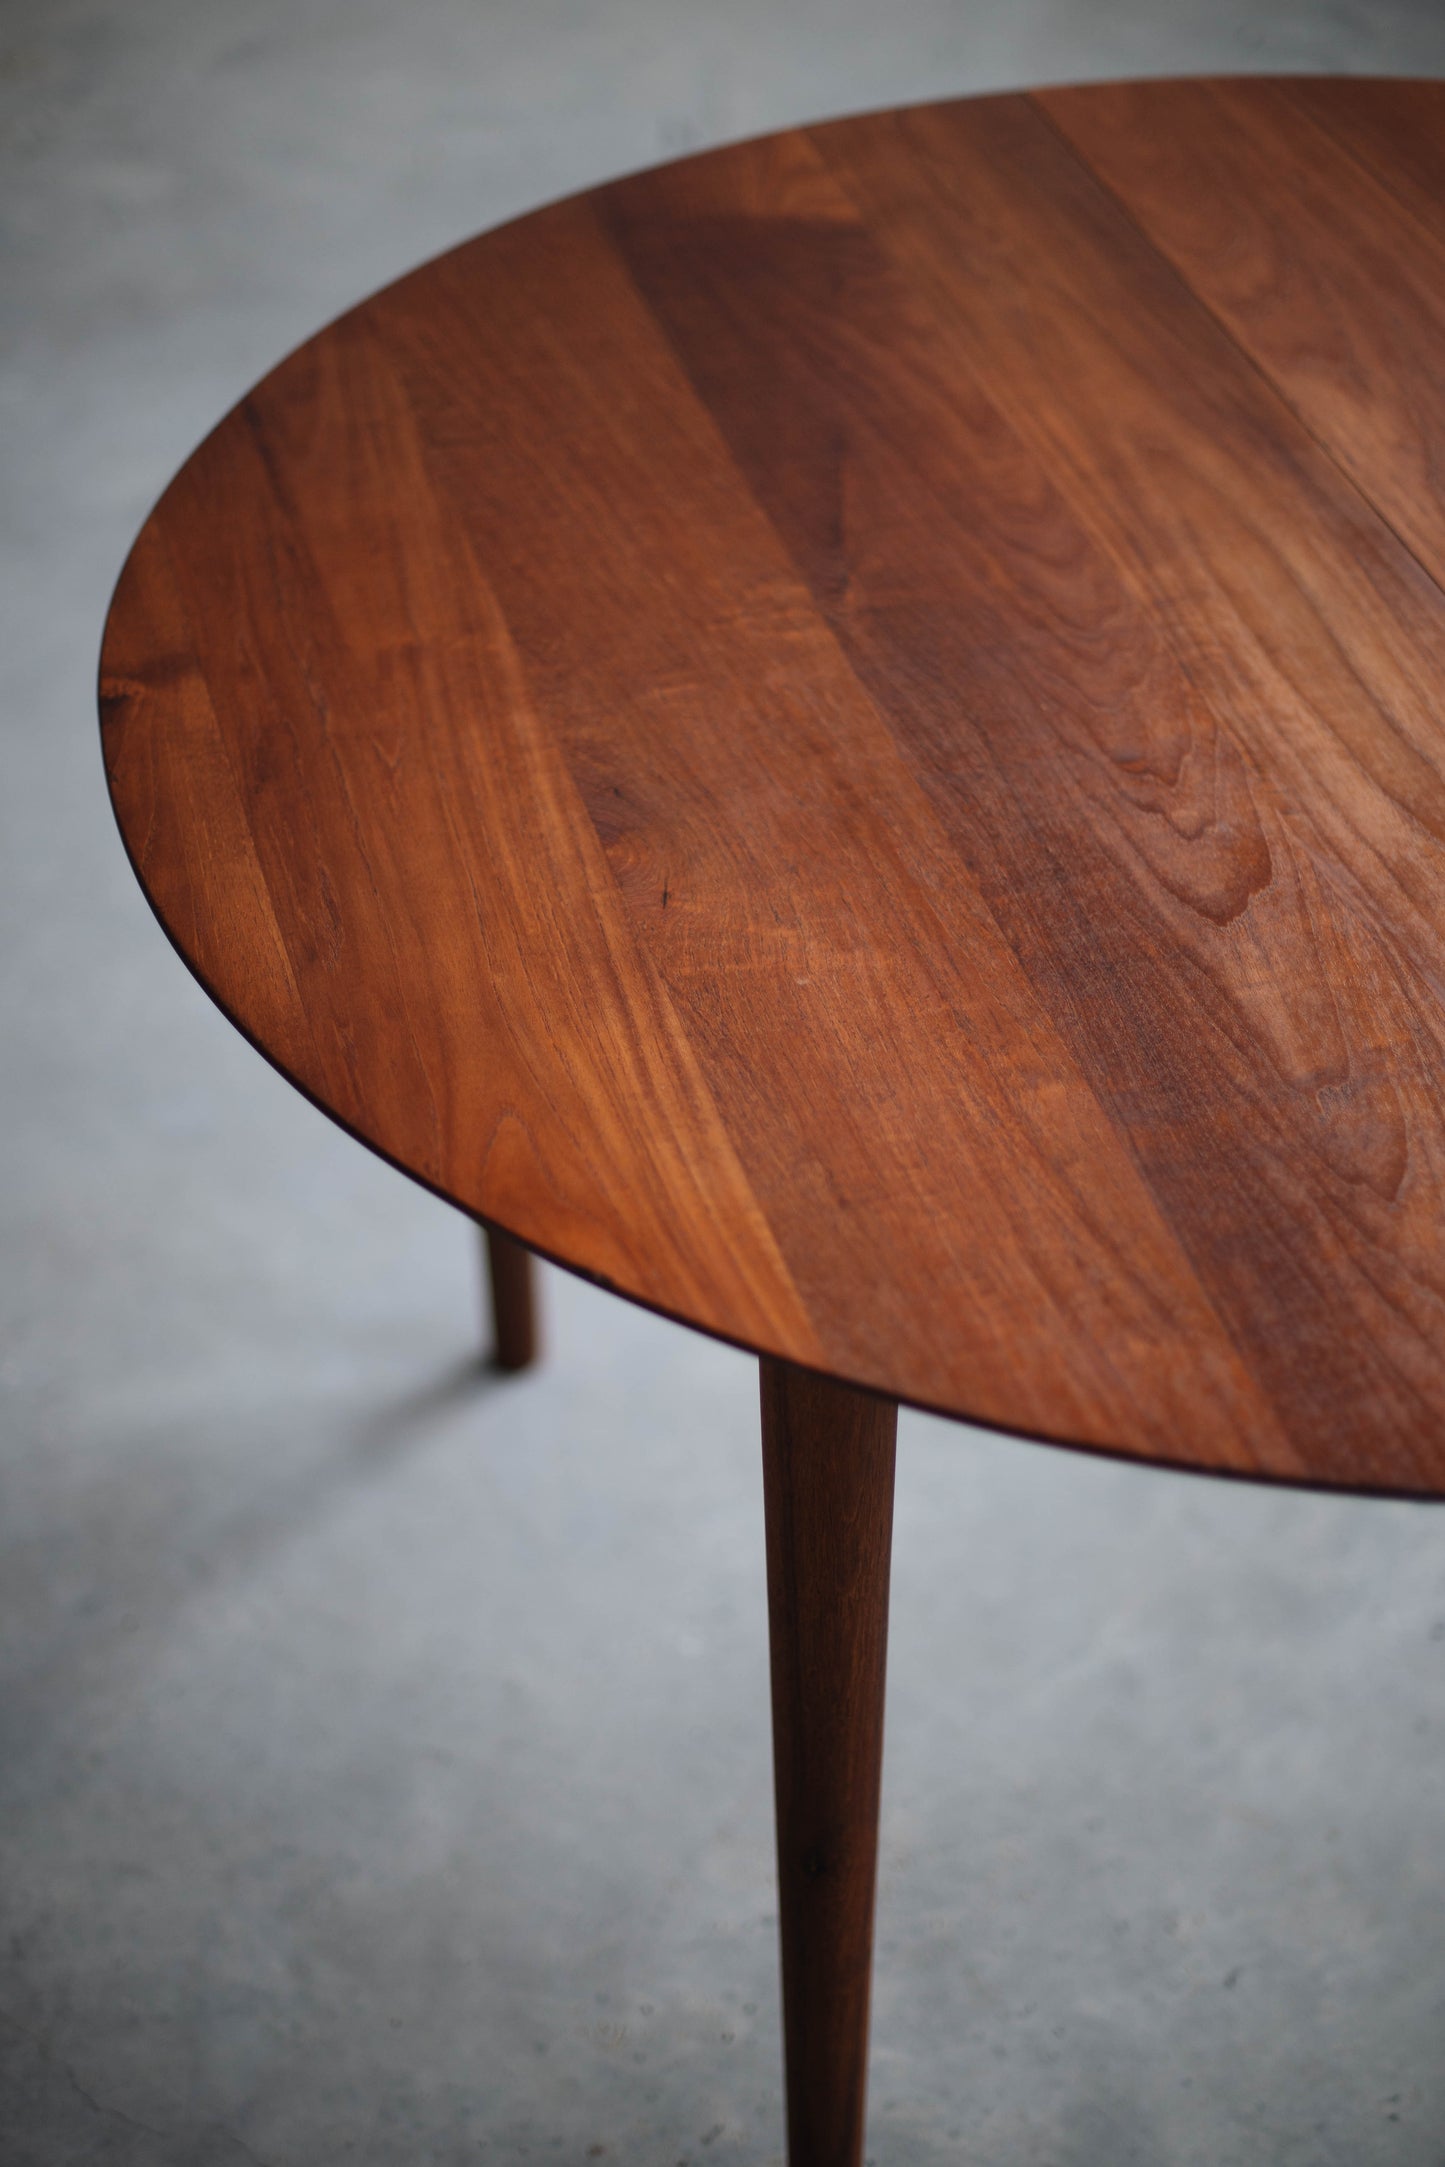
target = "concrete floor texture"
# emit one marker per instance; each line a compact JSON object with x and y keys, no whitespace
{"x":384,"y":1749}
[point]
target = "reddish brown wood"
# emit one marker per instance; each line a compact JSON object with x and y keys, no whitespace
{"x":1323,"y":253}
{"x":828,"y":1455}
{"x":846,"y":737}
{"x":512,"y":1280}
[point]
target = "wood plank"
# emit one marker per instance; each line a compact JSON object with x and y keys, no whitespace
{"x":479,"y":1008}
{"x":818,"y":922}
{"x":1328,"y":276}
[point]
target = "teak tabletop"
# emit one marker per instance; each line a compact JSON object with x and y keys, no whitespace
{"x":845,"y":737}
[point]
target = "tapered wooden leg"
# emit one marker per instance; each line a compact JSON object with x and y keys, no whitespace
{"x":828,"y":1454}
{"x":514,"y":1300}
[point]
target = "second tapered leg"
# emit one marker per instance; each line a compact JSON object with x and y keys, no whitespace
{"x":513,"y":1280}
{"x":828,"y":1458}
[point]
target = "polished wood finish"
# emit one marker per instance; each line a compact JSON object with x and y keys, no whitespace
{"x":512,"y":1282}
{"x":828,"y":1456}
{"x":846,"y":737}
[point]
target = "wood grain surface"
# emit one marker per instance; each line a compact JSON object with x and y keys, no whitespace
{"x":846,"y":737}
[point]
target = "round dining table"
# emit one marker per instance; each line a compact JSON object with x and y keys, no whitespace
{"x":847,"y":738}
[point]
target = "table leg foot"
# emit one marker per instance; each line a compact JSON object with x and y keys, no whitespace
{"x":828,"y":1455}
{"x":512,"y":1278}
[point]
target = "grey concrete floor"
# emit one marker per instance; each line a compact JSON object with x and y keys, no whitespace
{"x":384,"y":1767}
